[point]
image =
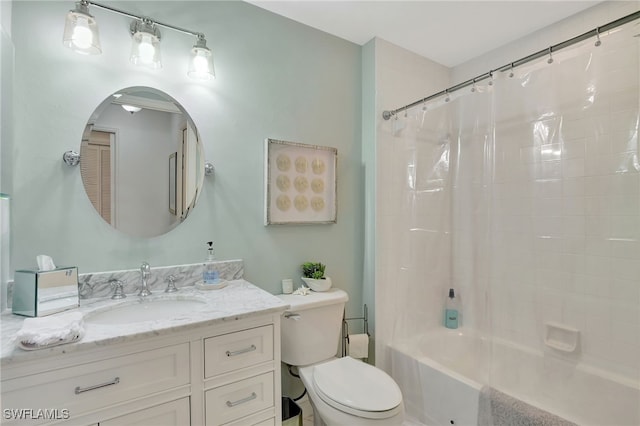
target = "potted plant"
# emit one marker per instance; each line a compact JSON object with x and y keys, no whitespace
{"x":313,"y":276}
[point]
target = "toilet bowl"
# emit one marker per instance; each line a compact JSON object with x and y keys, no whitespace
{"x":342,"y":391}
{"x":345,"y":391}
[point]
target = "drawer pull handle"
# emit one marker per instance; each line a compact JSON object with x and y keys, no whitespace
{"x":291,"y":315}
{"x":242,"y":351}
{"x":243,"y":400}
{"x":79,"y":390}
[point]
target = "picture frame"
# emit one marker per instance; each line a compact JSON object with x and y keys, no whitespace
{"x":173,"y":170}
{"x":300,"y":183}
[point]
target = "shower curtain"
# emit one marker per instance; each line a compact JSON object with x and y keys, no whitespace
{"x":523,"y":194}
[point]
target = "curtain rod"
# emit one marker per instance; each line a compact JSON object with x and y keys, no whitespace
{"x":595,"y":32}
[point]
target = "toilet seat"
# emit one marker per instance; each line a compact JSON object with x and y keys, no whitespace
{"x":357,"y":388}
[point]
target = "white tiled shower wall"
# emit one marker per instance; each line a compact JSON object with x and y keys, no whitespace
{"x":564,"y":211}
{"x":565,"y":223}
{"x":566,"y":215}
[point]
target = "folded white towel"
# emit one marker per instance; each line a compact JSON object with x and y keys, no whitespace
{"x":44,"y":332}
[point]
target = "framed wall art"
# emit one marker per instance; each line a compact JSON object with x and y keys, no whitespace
{"x":300,"y":183}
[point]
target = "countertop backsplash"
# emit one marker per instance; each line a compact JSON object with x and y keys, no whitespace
{"x":96,"y":285}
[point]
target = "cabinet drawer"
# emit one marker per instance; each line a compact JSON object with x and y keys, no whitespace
{"x":268,"y":422}
{"x":239,"y":399}
{"x":174,"y":413}
{"x":94,"y":385}
{"x":229,"y":352}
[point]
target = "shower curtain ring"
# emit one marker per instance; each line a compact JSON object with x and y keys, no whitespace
{"x":550,"y":60}
{"x":473,"y":86}
{"x":511,"y":74}
{"x":490,"y":83}
{"x":598,"y":42}
{"x":447,"y":98}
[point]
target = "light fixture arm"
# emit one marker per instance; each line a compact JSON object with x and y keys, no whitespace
{"x":83,"y":7}
{"x":141,"y":18}
{"x":145,"y":25}
{"x":201,"y":42}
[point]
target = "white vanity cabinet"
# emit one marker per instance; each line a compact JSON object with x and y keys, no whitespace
{"x":235,"y":384}
{"x":167,"y":414}
{"x":222,"y":374}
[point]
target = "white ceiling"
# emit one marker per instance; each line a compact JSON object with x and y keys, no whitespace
{"x":448,"y":32}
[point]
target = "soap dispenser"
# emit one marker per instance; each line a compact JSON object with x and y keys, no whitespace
{"x":210,"y":275}
{"x":451,"y":312}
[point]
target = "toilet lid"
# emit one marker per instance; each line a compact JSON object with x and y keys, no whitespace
{"x":357,"y":388}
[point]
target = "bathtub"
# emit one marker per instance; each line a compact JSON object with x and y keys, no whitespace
{"x":442,"y":373}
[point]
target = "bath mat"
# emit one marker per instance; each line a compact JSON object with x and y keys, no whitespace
{"x":499,"y":409}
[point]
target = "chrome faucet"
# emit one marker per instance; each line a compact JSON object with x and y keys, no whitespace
{"x":145,"y":271}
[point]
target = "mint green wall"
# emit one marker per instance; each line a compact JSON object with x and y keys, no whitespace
{"x":369,"y":121}
{"x":6,"y":141}
{"x":275,"y":78}
{"x":6,"y":100}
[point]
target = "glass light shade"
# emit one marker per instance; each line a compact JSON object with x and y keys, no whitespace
{"x":201,"y":64}
{"x":81,"y":32}
{"x":145,"y":50}
{"x":130,"y":108}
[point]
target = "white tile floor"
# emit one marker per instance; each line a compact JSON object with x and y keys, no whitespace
{"x":307,"y":411}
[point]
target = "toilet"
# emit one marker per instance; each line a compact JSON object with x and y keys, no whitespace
{"x":342,"y":391}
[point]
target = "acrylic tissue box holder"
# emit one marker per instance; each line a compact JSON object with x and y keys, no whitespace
{"x":39,"y":293}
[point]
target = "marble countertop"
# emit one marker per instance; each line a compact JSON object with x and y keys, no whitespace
{"x":239,"y":299}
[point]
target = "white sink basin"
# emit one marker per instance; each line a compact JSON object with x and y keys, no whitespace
{"x":145,"y":310}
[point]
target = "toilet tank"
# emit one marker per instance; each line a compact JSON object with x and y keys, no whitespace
{"x":310,"y":328}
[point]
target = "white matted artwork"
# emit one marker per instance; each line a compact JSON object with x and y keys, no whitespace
{"x":300,"y":183}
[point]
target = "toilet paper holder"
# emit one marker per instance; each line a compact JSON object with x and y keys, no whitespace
{"x":345,"y":327}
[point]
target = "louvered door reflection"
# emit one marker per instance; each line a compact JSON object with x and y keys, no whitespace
{"x":95,"y":166}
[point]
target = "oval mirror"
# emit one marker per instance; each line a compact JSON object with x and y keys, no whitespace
{"x":142,"y":162}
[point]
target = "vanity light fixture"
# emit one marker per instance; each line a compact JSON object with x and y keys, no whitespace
{"x":81,"y":35}
{"x":81,"y":31}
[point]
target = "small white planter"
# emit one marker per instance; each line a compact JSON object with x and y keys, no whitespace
{"x":322,"y":284}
